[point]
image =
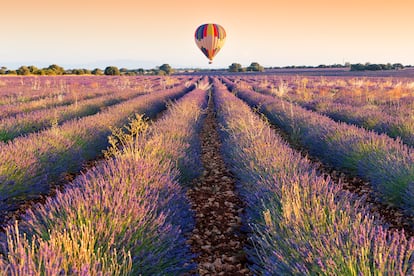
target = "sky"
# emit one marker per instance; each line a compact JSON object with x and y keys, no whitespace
{"x":148,"y":33}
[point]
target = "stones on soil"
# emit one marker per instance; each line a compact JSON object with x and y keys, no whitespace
{"x":216,"y":239}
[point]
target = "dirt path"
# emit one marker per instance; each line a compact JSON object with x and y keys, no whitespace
{"x":216,"y":238}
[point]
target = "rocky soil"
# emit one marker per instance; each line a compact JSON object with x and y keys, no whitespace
{"x":216,"y":240}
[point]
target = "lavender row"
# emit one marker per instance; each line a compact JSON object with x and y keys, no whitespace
{"x":301,"y":223}
{"x":371,"y":119}
{"x":30,"y":164}
{"x":31,"y":88}
{"x":24,"y":123}
{"x":66,"y":90}
{"x":395,"y":120}
{"x":127,"y":216}
{"x":383,"y":110}
{"x":391,"y":96}
{"x":382,"y":92}
{"x":388,"y":164}
{"x":52,"y":100}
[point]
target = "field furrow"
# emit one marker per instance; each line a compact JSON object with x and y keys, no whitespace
{"x":387,"y":164}
{"x":301,"y":223}
{"x":25,"y":123}
{"x":13,"y":109}
{"x":216,"y":239}
{"x":380,"y":122}
{"x":389,"y":112}
{"x":46,"y":92}
{"x":126,"y":216}
{"x":30,"y":165}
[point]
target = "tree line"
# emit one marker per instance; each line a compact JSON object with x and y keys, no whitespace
{"x":55,"y":69}
{"x":375,"y":67}
{"x":254,"y":67}
{"x":166,"y":69}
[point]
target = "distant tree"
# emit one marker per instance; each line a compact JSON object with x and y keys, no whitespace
{"x":97,"y":72}
{"x":11,"y":72}
{"x":33,"y":69}
{"x":141,"y":71}
{"x":166,"y":68}
{"x":256,"y":67}
{"x":112,"y":71}
{"x":57,"y":70}
{"x":123,"y":70}
{"x":130,"y":73}
{"x":398,"y":66}
{"x":3,"y":70}
{"x":387,"y":66}
{"x":79,"y":71}
{"x":235,"y":67}
{"x":357,"y":67}
{"x":374,"y":67}
{"x":50,"y":72}
{"x":23,"y":70}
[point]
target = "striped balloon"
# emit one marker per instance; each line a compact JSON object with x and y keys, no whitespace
{"x":210,"y":38}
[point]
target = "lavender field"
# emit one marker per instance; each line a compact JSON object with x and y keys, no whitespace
{"x":233,"y":174}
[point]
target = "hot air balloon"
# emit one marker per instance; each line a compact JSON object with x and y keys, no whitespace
{"x":210,"y":38}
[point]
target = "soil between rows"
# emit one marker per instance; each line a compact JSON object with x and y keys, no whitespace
{"x":216,"y":240}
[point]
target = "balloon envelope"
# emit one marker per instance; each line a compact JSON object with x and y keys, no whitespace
{"x":210,"y":38}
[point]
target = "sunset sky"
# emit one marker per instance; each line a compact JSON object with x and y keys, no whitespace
{"x":146,"y":33}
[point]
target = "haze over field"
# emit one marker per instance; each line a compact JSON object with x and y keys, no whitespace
{"x":131,"y":33}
